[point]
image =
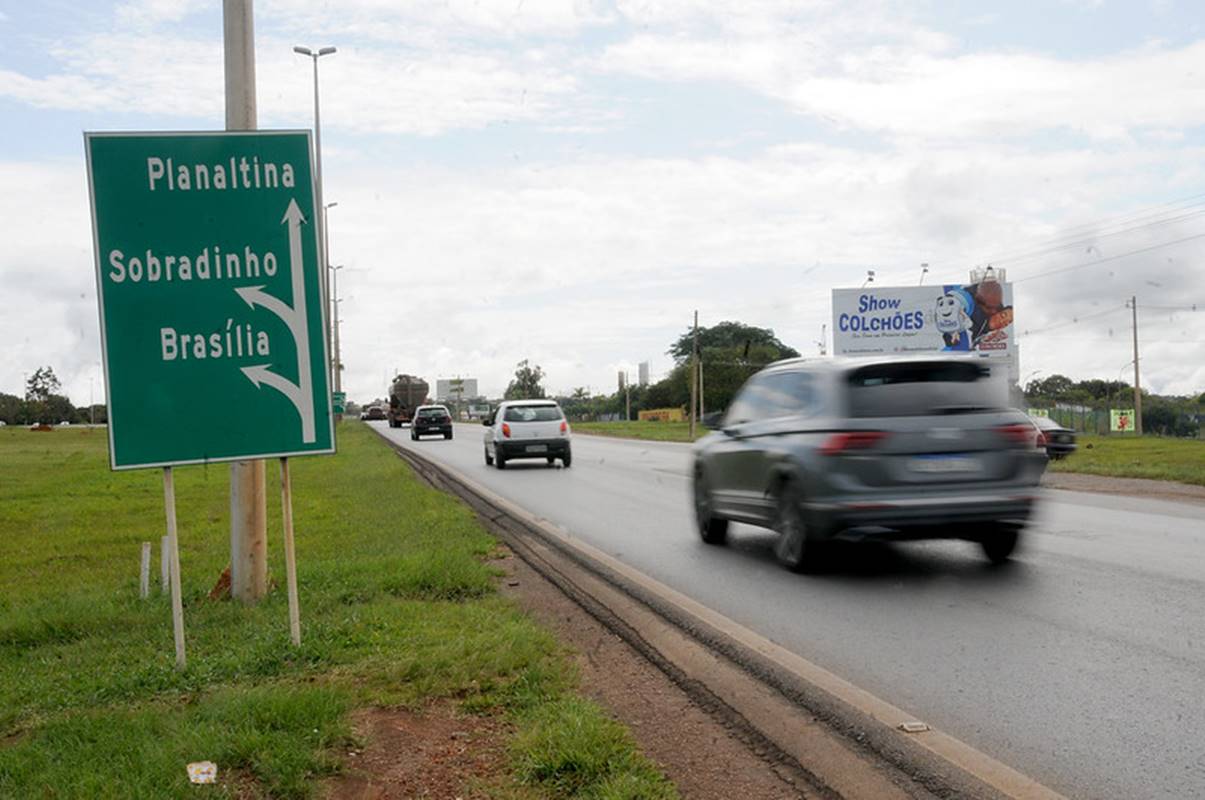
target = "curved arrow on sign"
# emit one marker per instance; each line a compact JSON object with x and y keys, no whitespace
{"x":300,"y":395}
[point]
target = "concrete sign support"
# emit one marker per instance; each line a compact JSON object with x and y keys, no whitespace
{"x":286,"y":516}
{"x":173,"y":547}
{"x":248,"y":479}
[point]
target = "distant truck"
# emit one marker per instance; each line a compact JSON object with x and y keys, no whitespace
{"x":406,"y":393}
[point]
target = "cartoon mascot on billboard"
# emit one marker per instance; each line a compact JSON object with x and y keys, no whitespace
{"x":953,"y":318}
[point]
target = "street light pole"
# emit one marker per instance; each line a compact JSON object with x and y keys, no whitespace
{"x":338,"y":356}
{"x":322,"y":247}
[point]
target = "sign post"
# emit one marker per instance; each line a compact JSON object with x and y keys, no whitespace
{"x":211,"y":305}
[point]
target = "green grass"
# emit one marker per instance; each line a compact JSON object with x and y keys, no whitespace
{"x":1155,"y":457}
{"x":635,"y":429}
{"x":398,"y":607}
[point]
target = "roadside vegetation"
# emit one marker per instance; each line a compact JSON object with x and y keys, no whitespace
{"x":635,"y":429}
{"x":1155,"y":457}
{"x":399,"y":608}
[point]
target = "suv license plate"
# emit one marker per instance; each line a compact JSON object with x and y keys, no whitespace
{"x":943,"y":465}
{"x":537,"y":448}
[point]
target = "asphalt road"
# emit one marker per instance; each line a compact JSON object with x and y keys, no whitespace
{"x":1081,"y":664}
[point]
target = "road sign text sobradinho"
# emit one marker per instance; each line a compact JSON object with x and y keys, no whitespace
{"x":211,"y":306}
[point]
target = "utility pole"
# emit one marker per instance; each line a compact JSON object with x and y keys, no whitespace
{"x":248,"y":502}
{"x":627,"y":403}
{"x":335,"y":321}
{"x":1137,"y":389}
{"x":694,"y":376}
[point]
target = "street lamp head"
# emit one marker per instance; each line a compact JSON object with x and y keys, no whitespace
{"x":305,"y":51}
{"x":326,"y":51}
{"x":331,"y":205}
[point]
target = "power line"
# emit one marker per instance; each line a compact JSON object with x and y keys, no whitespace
{"x":1107,"y":259}
{"x":1056,"y":246}
{"x":1073,"y":321}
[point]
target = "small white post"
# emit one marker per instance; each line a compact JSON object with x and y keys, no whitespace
{"x":164,"y":564}
{"x":144,"y":573}
{"x":286,"y":516}
{"x":173,"y":546}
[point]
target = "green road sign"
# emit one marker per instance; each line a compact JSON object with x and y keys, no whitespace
{"x":339,"y":402}
{"x":211,"y":309}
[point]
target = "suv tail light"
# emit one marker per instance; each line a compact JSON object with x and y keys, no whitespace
{"x":845,"y":441}
{"x":1022,"y":434}
{"x":564,"y":427}
{"x":505,"y":430}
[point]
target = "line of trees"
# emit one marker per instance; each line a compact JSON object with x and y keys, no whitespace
{"x":730,"y":353}
{"x":1163,"y":415}
{"x":44,"y":403}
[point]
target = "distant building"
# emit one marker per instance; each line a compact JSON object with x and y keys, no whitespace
{"x":623,"y":380}
{"x":643,"y":372}
{"x":451,"y":389}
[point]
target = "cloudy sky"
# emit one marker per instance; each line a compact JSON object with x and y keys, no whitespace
{"x":566,"y":181}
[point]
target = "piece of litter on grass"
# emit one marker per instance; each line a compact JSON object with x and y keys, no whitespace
{"x":203,"y":772}
{"x":912,"y":726}
{"x":512,"y":583}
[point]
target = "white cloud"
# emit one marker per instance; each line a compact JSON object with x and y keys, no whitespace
{"x":912,"y":85}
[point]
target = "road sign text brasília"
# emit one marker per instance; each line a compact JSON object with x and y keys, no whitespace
{"x":210,"y":295}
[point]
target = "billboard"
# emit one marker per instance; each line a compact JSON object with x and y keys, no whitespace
{"x":914,"y":320}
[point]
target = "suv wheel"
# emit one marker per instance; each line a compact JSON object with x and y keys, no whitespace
{"x":1000,"y":542}
{"x":712,"y":529}
{"x":795,"y":550}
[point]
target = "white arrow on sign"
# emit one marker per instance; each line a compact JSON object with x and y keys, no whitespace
{"x":301,"y":396}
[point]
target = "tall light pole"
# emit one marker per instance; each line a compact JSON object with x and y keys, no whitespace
{"x":335,"y":296}
{"x":314,"y":56}
{"x":326,"y":258}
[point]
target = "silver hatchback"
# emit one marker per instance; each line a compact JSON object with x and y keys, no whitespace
{"x":902,"y":449}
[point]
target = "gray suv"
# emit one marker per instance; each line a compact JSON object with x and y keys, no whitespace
{"x":866,"y":448}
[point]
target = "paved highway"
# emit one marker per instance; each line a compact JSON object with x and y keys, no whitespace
{"x":1082,"y":663}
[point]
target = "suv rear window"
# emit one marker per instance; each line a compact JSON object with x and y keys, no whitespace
{"x":910,"y":389}
{"x":532,"y":413}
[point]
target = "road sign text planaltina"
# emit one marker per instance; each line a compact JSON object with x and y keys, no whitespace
{"x":210,"y":296}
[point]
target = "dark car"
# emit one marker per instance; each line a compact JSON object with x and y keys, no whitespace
{"x":374,"y":412}
{"x":1060,"y":441}
{"x":869,"y":449}
{"x":430,"y":420}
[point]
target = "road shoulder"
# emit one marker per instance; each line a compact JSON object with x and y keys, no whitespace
{"x":1133,"y":487}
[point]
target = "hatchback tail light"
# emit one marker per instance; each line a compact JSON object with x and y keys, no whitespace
{"x":1022,"y":434}
{"x":505,"y":430}
{"x":564,"y":427}
{"x":845,"y":441}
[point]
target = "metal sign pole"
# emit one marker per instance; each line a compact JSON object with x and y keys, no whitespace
{"x":169,"y":502}
{"x":286,"y":515}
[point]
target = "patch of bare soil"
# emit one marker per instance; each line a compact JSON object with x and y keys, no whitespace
{"x":1136,"y":487}
{"x":704,"y":759}
{"x":436,"y":754}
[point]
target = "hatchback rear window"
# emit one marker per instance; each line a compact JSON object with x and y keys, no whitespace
{"x":909,"y":389}
{"x":532,"y":413}
{"x":432,"y":412}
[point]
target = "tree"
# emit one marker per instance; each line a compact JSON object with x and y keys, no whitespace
{"x":13,"y":409}
{"x":41,"y":385}
{"x":526,"y":385}
{"x":1054,"y":387}
{"x":732,"y":337}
